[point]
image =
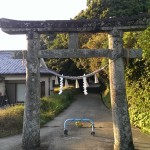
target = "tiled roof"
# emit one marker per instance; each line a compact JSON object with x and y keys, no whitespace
{"x":8,"y":65}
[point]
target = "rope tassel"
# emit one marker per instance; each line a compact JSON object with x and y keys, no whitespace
{"x":66,"y":83}
{"x":84,"y":77}
{"x":56,"y":80}
{"x":77,"y":84}
{"x":96,"y":79}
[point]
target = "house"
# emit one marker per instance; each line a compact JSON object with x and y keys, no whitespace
{"x":13,"y":78}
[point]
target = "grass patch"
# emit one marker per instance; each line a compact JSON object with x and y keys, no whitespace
{"x":106,"y":98}
{"x":11,"y":118}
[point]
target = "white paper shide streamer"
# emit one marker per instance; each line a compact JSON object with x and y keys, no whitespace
{"x":87,"y":85}
{"x":84,"y":85}
{"x":61,"y":85}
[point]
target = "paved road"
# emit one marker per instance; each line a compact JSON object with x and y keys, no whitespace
{"x":90,"y":106}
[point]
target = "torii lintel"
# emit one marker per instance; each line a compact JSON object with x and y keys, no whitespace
{"x":132,"y":23}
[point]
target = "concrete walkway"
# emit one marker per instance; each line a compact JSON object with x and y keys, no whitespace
{"x":90,"y":106}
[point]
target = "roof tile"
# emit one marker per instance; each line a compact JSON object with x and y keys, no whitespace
{"x":8,"y":65}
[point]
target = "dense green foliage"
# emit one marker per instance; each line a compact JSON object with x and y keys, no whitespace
{"x":138,"y":81}
{"x":63,"y":66}
{"x":113,"y":8}
{"x":11,"y":118}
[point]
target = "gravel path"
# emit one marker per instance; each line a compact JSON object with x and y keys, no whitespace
{"x":90,"y":106}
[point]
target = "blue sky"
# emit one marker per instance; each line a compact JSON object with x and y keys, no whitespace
{"x":35,"y":10}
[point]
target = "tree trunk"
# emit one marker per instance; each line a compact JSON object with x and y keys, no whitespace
{"x":31,"y":123}
{"x":121,"y":122}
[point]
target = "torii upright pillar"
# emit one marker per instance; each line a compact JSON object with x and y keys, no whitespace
{"x":121,"y":123}
{"x":31,"y":122}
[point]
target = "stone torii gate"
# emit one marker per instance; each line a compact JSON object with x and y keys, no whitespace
{"x":115,"y":28}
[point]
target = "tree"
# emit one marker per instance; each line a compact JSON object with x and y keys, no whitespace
{"x":96,"y":41}
{"x":63,"y":66}
{"x":98,"y":9}
{"x":138,"y":81}
{"x":113,"y":8}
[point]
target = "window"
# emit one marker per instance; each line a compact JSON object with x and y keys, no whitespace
{"x":42,"y":88}
{"x":21,"y":90}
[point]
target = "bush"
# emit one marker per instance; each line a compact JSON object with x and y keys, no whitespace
{"x":139,"y":105}
{"x":11,"y":118}
{"x":54,"y":104}
{"x":138,"y":85}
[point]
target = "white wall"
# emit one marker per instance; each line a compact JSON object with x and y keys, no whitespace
{"x":47,"y":81}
